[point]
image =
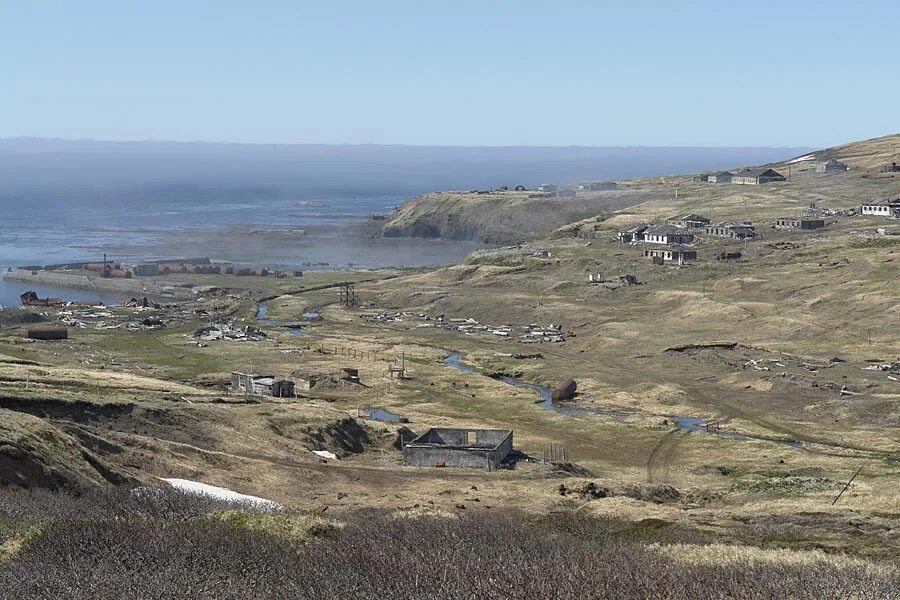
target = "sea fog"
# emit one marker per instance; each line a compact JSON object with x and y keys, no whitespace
{"x":291,"y":206}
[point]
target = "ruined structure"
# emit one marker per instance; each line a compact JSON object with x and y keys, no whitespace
{"x":669,"y":255}
{"x":831,"y":166}
{"x":443,"y":447}
{"x":799,"y":223}
{"x":667,"y":234}
{"x":688,"y":221}
{"x":261,"y":385}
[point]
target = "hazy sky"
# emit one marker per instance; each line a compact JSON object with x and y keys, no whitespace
{"x":461,"y":72}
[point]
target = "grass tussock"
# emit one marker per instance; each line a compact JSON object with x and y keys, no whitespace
{"x":728,"y":554}
{"x":879,"y":242}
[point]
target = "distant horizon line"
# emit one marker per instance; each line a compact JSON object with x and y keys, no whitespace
{"x":396,"y":145}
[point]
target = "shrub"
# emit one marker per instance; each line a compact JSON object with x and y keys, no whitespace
{"x":132,"y":545}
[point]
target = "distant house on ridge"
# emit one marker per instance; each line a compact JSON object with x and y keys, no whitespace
{"x":757,"y":176}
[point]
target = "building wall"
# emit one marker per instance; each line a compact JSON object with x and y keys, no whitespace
{"x":812,"y":224}
{"x":497,"y":446}
{"x":878,"y":210}
{"x":668,"y":239}
{"x":452,"y":457}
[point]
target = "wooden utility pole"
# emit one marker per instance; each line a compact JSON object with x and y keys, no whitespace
{"x":846,"y":486}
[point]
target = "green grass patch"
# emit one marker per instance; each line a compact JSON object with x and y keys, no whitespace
{"x":880,"y":242}
{"x":297,"y":527}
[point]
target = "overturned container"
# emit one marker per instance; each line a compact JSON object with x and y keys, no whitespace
{"x":47,"y":333}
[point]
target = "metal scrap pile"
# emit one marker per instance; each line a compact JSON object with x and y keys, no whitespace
{"x":228,"y":331}
{"x":104,"y":319}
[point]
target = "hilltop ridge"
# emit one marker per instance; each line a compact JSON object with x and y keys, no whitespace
{"x":501,"y":217}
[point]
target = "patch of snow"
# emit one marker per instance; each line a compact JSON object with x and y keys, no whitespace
{"x":803,"y":158}
{"x":325,"y":454}
{"x":220,"y":493}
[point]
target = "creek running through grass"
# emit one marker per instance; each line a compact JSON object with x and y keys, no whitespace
{"x":310,"y":316}
{"x":687,"y":423}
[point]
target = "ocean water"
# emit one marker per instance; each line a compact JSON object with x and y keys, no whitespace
{"x":291,"y":233}
{"x":290,"y":206}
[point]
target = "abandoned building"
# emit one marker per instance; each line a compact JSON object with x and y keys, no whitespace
{"x":720,"y":177}
{"x":891,"y":168}
{"x":757,"y":176}
{"x":350,"y":374}
{"x":521,"y":188}
{"x":305,"y":383}
{"x":831,"y":166}
{"x":670,"y":255}
{"x":735,"y":231}
{"x":799,"y":223}
{"x":633,"y":234}
{"x":668,"y":234}
{"x":261,"y":385}
{"x":882,"y":207}
{"x":688,"y":221}
{"x":597,"y":186}
{"x":566,"y":194}
{"x":547,"y":187}
{"x":444,"y":447}
{"x":704,"y":178}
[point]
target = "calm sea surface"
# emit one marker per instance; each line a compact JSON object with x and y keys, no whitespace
{"x":291,"y":233}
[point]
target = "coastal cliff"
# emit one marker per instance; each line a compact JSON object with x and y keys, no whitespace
{"x":498,"y":217}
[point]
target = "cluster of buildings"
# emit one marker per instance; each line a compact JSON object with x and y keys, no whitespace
{"x":678,"y":232}
{"x":554,"y":191}
{"x":761,"y":175}
{"x":757,"y":176}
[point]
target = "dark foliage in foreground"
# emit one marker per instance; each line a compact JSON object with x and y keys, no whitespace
{"x":163,"y":545}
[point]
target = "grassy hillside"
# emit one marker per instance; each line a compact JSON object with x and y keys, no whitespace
{"x":731,"y":398}
{"x":500,"y":217}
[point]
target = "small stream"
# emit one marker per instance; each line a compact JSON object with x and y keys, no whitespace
{"x":681,"y":422}
{"x":291,"y":327}
{"x":546,"y":393}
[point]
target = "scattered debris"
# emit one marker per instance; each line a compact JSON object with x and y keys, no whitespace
{"x":30,"y":298}
{"x":227,"y":331}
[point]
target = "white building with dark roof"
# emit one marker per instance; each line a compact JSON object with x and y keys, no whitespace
{"x":667,"y":234}
{"x":882,"y":207}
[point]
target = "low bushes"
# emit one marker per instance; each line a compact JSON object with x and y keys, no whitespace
{"x":164,"y":544}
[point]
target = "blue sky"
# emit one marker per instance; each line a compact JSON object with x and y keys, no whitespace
{"x":461,"y":72}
